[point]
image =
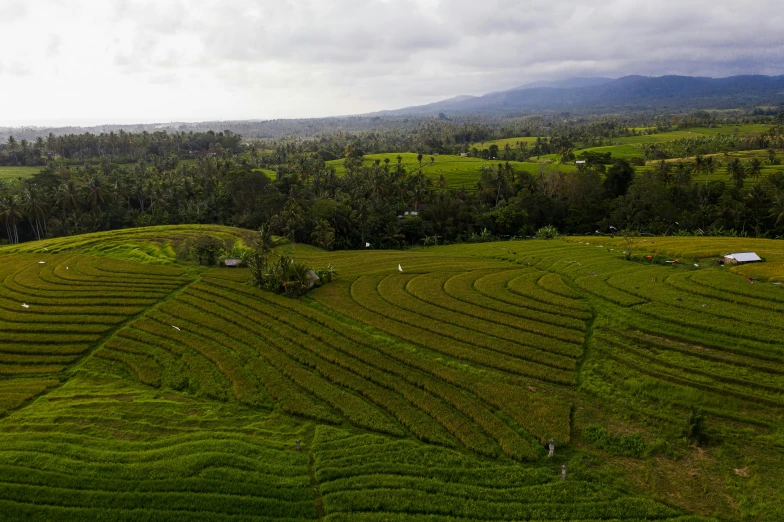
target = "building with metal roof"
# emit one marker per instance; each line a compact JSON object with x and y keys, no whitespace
{"x":738,"y":258}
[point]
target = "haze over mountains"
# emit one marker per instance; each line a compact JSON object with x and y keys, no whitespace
{"x":587,"y":95}
{"x":600,"y":95}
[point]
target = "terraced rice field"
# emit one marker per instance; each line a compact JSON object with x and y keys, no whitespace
{"x":148,"y":245}
{"x":162,"y":390}
{"x":441,"y":485}
{"x":55,"y":309}
{"x":99,"y":448}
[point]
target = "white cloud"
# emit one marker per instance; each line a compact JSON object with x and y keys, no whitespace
{"x":69,"y":61}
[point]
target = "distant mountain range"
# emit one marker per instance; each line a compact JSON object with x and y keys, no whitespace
{"x":630,"y":94}
{"x":602,"y":95}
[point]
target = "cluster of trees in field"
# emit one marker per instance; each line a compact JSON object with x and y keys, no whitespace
{"x":120,"y":147}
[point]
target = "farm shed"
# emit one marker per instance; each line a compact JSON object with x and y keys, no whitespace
{"x":232,"y":262}
{"x":739,"y":258}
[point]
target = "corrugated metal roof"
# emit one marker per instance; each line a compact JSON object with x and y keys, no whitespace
{"x":744,"y":257}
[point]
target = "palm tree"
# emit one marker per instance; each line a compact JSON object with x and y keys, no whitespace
{"x":699,"y":166}
{"x":442,"y":182}
{"x":258,"y":258}
{"x":710,"y":167}
{"x":754,"y":168}
{"x":96,"y":192}
{"x":777,"y":210}
{"x":499,"y":177}
{"x":391,"y":236}
{"x":663,"y":172}
{"x":323,"y":234}
{"x":12,"y":147}
{"x":33,"y":206}
{"x":361,"y":214}
{"x":682,"y":174}
{"x":24,"y":144}
{"x":737,"y":172}
{"x":11,"y":214}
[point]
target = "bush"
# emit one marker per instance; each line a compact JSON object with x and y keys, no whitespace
{"x":293,"y":278}
{"x":696,"y":429}
{"x":637,"y":161}
{"x":547,"y":232}
{"x":208,"y":249}
{"x":327,"y":273}
{"x":628,"y":445}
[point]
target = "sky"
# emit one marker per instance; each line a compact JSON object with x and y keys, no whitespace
{"x":89,"y":62}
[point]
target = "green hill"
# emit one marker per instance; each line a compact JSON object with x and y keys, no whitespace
{"x":136,"y":385}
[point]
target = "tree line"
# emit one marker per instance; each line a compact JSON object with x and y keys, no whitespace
{"x":120,"y":147}
{"x":386,"y":205}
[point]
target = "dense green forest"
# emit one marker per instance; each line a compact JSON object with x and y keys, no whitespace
{"x":686,"y":184}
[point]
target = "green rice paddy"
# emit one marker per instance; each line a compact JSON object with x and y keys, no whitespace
{"x":459,"y":171}
{"x":135,"y":386}
{"x":12,"y":173}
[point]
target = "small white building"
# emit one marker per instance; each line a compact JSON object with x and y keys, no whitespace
{"x":739,"y":258}
{"x":232,"y":262}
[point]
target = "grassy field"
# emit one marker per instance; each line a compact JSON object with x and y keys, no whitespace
{"x":512,"y":142}
{"x":628,"y":147}
{"x":136,"y":386}
{"x":459,"y":171}
{"x":12,"y":173}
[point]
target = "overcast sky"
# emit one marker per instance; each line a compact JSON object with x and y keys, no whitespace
{"x":118,"y":61}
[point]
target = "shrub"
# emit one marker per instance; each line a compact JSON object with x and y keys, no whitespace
{"x":547,"y":232}
{"x":637,"y":161}
{"x":629,"y":445}
{"x":327,"y":273}
{"x":482,"y":237}
{"x":293,"y":278}
{"x":696,"y":429}
{"x":208,"y":249}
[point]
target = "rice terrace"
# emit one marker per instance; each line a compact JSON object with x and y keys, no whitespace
{"x":419,"y":385}
{"x":391,"y":261}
